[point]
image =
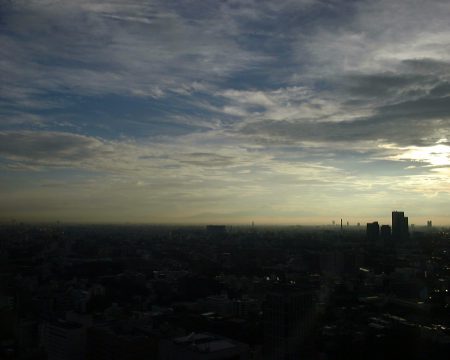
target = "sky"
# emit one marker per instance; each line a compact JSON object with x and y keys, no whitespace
{"x":208,"y":111}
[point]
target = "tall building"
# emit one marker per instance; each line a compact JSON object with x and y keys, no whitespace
{"x":373,"y":232}
{"x":400,"y":229}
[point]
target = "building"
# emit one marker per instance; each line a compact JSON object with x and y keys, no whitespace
{"x":203,"y":346}
{"x":400,"y":228}
{"x":288,"y":316}
{"x":373,"y":232}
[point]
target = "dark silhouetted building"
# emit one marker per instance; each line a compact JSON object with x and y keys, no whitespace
{"x":400,"y":229}
{"x":373,"y":232}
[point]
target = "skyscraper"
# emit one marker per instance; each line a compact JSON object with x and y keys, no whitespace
{"x":373,"y":232}
{"x":400,"y":229}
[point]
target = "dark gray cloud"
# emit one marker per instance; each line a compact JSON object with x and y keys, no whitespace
{"x":207,"y":159}
{"x":384,"y":86}
{"x":426,"y":66}
{"x":419,"y":122}
{"x":48,"y":147}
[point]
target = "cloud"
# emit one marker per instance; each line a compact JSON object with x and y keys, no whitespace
{"x":173,"y":105}
{"x":47,"y":147}
{"x":207,"y":159}
{"x":53,"y":149}
{"x":17,"y":118}
{"x":139,"y":48}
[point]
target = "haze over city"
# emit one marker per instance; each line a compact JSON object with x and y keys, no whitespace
{"x":278,"y":112}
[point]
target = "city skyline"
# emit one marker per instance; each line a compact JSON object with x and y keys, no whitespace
{"x":173,"y":112}
{"x":381,"y":222}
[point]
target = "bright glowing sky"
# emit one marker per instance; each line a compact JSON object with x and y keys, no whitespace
{"x":195,"y":111}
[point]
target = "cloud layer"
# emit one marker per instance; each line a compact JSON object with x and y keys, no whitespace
{"x":168,"y":111}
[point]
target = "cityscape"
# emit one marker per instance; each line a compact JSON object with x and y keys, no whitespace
{"x":224,"y":179}
{"x":225,"y":292}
